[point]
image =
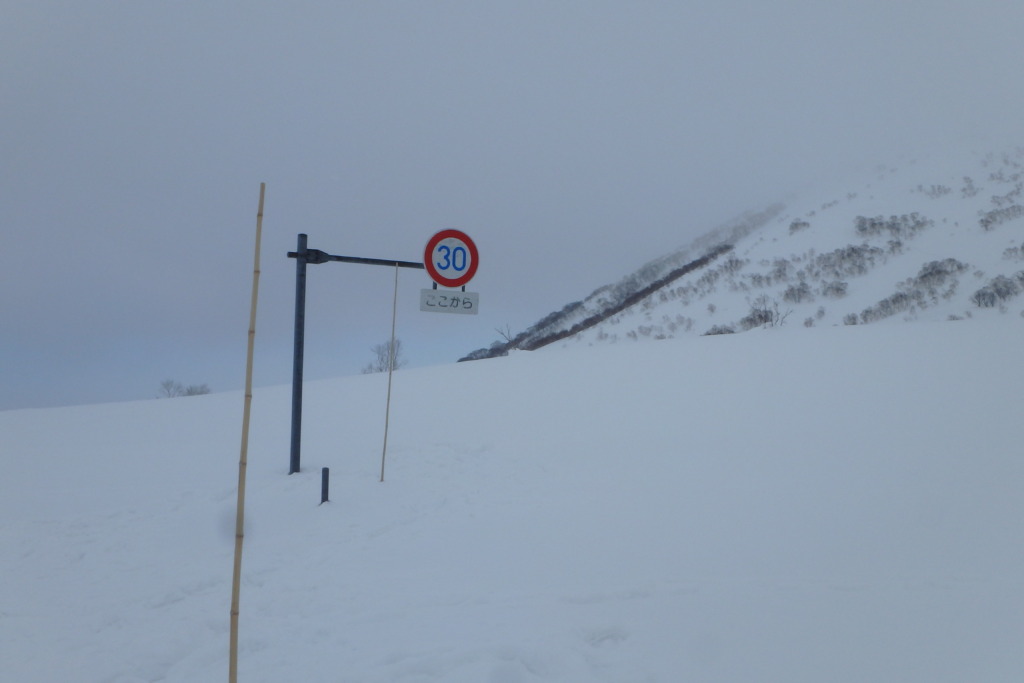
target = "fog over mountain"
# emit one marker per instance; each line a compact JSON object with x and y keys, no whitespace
{"x":933,"y":238}
{"x":574,"y":141}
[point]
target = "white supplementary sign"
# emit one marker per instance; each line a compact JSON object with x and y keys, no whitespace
{"x":449,"y":301}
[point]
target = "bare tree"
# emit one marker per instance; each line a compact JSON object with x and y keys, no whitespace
{"x":386,"y":357}
{"x":764,"y":312}
{"x":507,"y":334}
{"x":171,"y":389}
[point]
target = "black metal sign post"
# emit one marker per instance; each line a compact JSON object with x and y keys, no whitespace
{"x":302,"y":256}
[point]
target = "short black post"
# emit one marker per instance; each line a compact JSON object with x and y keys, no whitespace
{"x":325,"y":482}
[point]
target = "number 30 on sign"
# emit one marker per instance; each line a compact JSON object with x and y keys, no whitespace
{"x":451,"y":258}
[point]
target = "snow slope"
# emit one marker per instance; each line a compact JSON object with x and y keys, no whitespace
{"x":833,"y":504}
{"x":917,"y":241}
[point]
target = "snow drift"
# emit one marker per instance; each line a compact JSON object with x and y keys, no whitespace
{"x":837,"y":504}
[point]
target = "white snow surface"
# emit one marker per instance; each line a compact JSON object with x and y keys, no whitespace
{"x":827,"y":504}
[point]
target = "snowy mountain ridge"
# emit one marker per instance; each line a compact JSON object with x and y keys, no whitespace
{"x":927,"y":241}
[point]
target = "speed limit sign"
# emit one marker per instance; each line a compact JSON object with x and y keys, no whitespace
{"x":451,"y":258}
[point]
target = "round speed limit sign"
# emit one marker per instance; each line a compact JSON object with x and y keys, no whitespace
{"x":451,"y":258}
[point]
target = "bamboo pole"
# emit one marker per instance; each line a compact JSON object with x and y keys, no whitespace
{"x":242,"y":459}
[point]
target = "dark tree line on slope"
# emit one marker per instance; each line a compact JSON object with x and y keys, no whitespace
{"x":535,"y":337}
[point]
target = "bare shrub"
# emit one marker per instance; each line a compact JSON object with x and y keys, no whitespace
{"x":171,"y":389}
{"x":387,"y":356}
{"x":834,"y":289}
{"x":797,"y":294}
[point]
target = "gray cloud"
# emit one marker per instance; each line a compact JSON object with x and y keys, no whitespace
{"x":572,"y":140}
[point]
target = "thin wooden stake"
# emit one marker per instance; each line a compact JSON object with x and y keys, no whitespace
{"x":243,"y":457}
{"x":392,"y":358}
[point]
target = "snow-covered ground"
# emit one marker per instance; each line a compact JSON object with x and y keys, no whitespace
{"x":797,"y":505}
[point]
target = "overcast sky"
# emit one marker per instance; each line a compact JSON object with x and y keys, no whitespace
{"x":573,"y":141}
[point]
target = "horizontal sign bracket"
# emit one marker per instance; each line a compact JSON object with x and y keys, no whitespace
{"x":315,"y":256}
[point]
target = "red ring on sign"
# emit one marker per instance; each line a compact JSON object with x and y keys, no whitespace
{"x":428,"y":258}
